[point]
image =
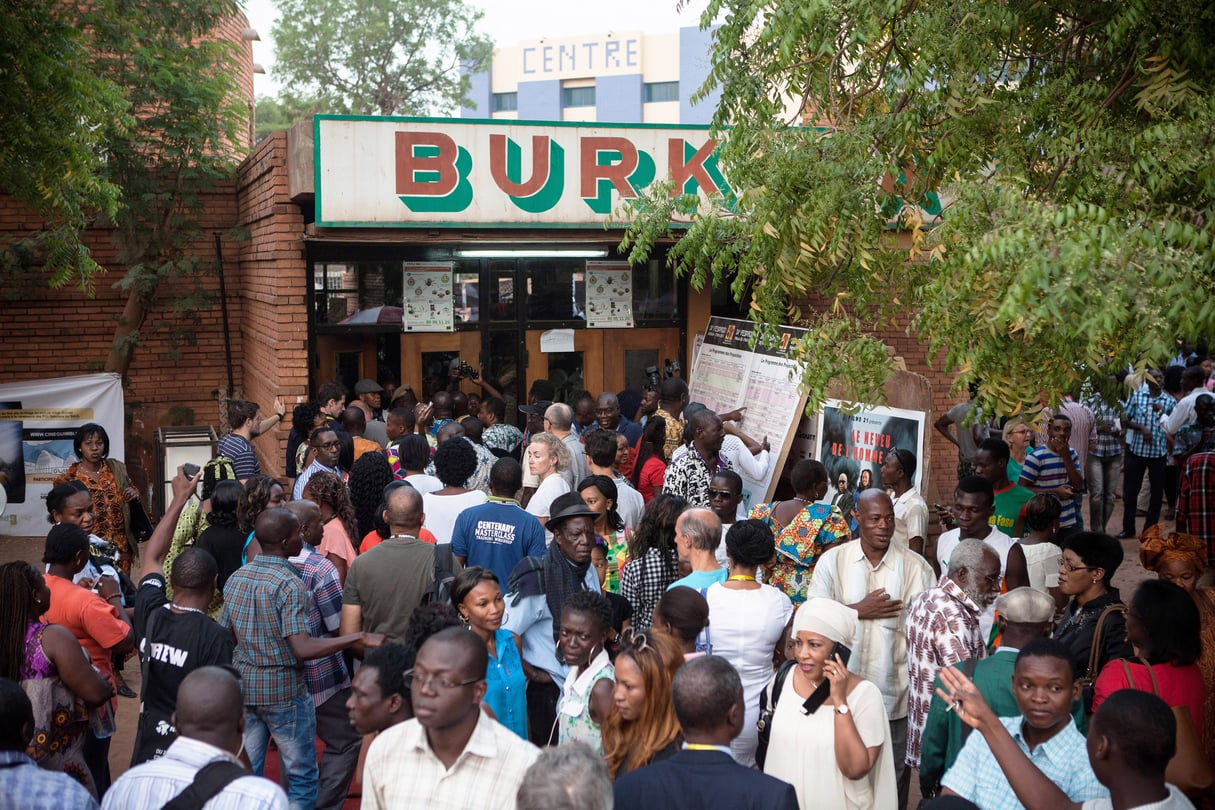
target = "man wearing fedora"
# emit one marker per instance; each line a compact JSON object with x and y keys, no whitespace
{"x":538,"y":590}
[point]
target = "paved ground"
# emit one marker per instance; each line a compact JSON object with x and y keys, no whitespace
{"x":30,"y":549}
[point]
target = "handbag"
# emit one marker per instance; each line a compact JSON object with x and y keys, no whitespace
{"x":1189,"y":769}
{"x":1094,"y":655}
{"x":139,"y":527}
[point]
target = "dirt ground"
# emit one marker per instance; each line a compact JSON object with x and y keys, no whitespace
{"x":1129,"y":575}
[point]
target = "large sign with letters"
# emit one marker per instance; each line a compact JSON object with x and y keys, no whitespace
{"x":427,"y":172}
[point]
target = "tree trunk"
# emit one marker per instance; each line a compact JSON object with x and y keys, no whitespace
{"x":122,"y":346}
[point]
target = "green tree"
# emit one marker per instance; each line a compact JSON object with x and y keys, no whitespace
{"x":277,"y":113}
{"x":54,"y":123}
{"x":188,"y":123}
{"x":385,"y":57}
{"x":1072,"y":145}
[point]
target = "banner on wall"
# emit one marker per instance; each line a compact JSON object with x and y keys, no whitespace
{"x":428,"y":305}
{"x":38,"y":421}
{"x":854,"y":444}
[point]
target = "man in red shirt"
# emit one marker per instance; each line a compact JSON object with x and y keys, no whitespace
{"x":94,"y":619}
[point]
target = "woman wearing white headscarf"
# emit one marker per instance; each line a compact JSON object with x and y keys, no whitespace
{"x":838,"y":757}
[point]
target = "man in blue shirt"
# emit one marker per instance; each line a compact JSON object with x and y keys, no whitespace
{"x":697,"y":536}
{"x":1045,"y":687}
{"x":22,"y":783}
{"x":498,"y":534}
{"x":1146,"y":447}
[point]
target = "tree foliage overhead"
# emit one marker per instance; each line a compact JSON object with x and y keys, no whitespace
{"x":125,"y":113}
{"x":54,"y":123}
{"x":1073,"y":147}
{"x":379,"y":57}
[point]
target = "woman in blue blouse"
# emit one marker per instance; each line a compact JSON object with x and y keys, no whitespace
{"x":477,"y":597}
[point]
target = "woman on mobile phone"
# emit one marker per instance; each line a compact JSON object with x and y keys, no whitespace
{"x":838,"y":755}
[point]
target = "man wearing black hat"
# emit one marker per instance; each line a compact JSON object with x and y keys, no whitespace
{"x":539,"y":588}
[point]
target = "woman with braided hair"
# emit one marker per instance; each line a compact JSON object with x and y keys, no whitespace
{"x":1181,"y":559}
{"x":368,"y":477}
{"x":53,"y":670}
{"x":261,"y":492}
{"x":328,"y":492}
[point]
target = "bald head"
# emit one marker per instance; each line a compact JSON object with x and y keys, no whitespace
{"x":304,"y":510}
{"x":210,"y":708}
{"x":275,"y":530}
{"x":449,"y":431}
{"x":560,"y":416}
{"x":404,"y":512}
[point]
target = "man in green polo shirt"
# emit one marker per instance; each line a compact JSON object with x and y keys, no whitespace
{"x":991,"y":462}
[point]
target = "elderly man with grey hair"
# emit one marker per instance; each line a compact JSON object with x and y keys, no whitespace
{"x":943,"y":628}
{"x":568,"y":777}
{"x":559,"y":421}
{"x":697,"y":536}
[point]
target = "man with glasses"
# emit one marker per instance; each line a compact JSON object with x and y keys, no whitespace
{"x":943,"y":629}
{"x":725,"y":495}
{"x":327,"y":446}
{"x":452,"y":754}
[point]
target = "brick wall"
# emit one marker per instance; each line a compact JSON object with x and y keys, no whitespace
{"x":273,"y":290}
{"x":59,"y":333}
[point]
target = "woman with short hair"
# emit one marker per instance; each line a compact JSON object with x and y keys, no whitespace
{"x":107,"y":481}
{"x":547,"y":459}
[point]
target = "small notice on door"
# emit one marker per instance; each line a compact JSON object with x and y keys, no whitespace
{"x":428,"y":300}
{"x":609,"y":295}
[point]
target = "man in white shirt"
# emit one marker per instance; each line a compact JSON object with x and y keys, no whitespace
{"x":452,"y":754}
{"x":210,"y":722}
{"x":973,"y":505}
{"x":877,"y":579}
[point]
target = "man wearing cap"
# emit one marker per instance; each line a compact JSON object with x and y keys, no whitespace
{"x":878,"y":579}
{"x":690,"y":476}
{"x":943,"y":628}
{"x":1023,"y":614}
{"x":369,"y":396}
{"x":538,"y":590}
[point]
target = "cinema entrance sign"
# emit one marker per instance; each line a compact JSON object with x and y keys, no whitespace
{"x":432,"y":172}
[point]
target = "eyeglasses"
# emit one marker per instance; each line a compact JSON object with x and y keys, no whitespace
{"x":422,"y":681}
{"x":1071,"y":569}
{"x":721,"y":493}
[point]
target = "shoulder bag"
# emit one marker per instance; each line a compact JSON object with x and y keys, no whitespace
{"x":1189,"y":769}
{"x":210,"y":780}
{"x":1091,"y":672}
{"x":767,"y":707}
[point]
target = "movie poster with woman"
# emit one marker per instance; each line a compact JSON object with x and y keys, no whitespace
{"x":853,"y":439}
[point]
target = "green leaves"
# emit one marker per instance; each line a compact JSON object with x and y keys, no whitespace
{"x":1072,"y":147}
{"x":379,"y":57}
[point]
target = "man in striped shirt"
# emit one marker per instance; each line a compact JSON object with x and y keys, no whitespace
{"x":1055,"y":468}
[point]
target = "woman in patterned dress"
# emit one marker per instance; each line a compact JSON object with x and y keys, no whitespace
{"x":107,"y":482}
{"x":804,"y":526}
{"x":53,"y":670}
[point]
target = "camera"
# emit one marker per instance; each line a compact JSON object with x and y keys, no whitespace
{"x":652,"y":378}
{"x":465,"y":372}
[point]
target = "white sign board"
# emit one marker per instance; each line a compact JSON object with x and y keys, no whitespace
{"x":428,"y":301}
{"x":411,"y":172}
{"x":609,"y":295}
{"x":38,"y":420}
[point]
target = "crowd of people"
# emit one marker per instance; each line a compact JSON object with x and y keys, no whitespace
{"x":437,"y":609}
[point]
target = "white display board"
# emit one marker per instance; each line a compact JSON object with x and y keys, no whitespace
{"x":729,"y":373}
{"x":38,"y":420}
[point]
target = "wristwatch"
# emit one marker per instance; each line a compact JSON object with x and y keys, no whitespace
{"x":842,"y":709}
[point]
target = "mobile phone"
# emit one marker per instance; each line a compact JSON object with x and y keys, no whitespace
{"x":819,"y":696}
{"x":190,"y":470}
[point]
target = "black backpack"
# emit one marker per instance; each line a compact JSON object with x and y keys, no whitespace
{"x":440,"y":589}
